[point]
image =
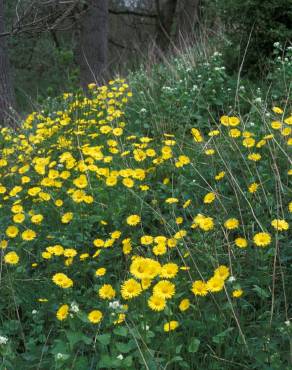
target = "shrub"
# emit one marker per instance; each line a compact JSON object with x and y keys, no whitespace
{"x":187,"y":91}
{"x":255,"y":25}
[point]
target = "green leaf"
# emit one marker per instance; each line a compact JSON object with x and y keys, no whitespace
{"x":104,"y":339}
{"x":81,"y":363}
{"x":150,"y":334}
{"x":109,"y":362}
{"x":219,"y":338}
{"x":76,"y":336}
{"x":128,"y":361}
{"x":125,"y":347}
{"x":175,"y":359}
{"x":59,"y":347}
{"x":82,"y":316}
{"x":87,"y":340}
{"x":73,"y":337}
{"x":122,"y":331}
{"x":11,"y":326}
{"x":262,"y":293}
{"x":194,"y":345}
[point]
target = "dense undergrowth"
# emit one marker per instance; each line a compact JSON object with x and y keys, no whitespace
{"x":147,"y":225}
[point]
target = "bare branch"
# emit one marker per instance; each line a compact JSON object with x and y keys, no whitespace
{"x":131,"y":12}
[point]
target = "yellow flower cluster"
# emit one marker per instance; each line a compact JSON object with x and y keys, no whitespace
{"x":121,"y":217}
{"x":214,"y":284}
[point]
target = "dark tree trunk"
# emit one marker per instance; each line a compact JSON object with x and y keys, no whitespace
{"x":92,"y":48}
{"x":7,"y":99}
{"x":166,"y":10}
{"x":188,"y":20}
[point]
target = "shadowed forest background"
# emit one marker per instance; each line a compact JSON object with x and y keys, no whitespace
{"x":48,"y":46}
{"x":57,"y":45}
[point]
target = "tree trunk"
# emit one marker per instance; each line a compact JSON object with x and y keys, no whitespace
{"x":188,"y":20}
{"x":7,"y":98}
{"x":166,"y":10}
{"x":92,"y":48}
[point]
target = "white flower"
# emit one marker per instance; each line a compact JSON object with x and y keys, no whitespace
{"x":34,"y":312}
{"x":288,"y":322}
{"x":120,"y":356}
{"x":231,"y":279}
{"x":114,"y":305}
{"x":59,"y":356}
{"x":74,"y":307}
{"x":3,"y":340}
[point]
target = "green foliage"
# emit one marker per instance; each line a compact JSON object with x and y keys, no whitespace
{"x":195,"y":89}
{"x":42,"y":63}
{"x":41,"y":68}
{"x":279,"y":77}
{"x":90,"y":139}
{"x":181,"y":94}
{"x":254,"y":25}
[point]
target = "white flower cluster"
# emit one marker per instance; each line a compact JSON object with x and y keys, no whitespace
{"x":217,"y":54}
{"x":218,"y":68}
{"x":3,"y":340}
{"x":168,"y":89}
{"x":115,"y":305}
{"x":74,"y":307}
